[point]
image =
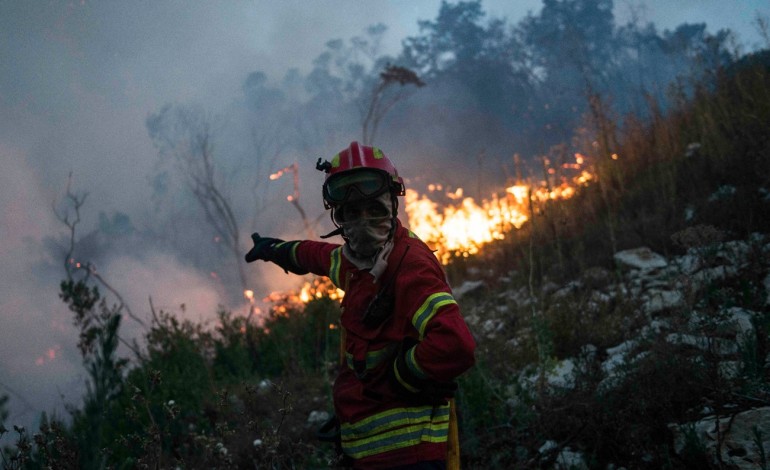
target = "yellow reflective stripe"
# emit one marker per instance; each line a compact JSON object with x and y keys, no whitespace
{"x":397,"y":439}
{"x":336,"y":161}
{"x":394,"y":429}
{"x":392,"y":418}
{"x":413,"y":235}
{"x":377,"y":153}
{"x":334,"y":269}
{"x":403,"y":382}
{"x":292,"y":250}
{"x":373,"y":358}
{"x":414,"y":367}
{"x":429,"y":308}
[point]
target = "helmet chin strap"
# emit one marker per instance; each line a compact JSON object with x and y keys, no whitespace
{"x":337,"y":231}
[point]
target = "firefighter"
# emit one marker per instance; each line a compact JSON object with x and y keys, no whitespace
{"x":405,"y":341}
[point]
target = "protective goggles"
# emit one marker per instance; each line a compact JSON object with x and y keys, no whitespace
{"x":355,"y":185}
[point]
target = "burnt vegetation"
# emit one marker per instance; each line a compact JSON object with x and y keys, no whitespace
{"x":682,"y":167}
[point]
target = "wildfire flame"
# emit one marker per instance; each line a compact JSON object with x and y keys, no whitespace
{"x":462,"y":226}
{"x":283,"y":302}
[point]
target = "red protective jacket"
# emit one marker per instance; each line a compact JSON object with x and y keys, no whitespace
{"x":380,"y":428}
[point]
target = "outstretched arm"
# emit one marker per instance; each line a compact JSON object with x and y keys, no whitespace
{"x":276,"y":251}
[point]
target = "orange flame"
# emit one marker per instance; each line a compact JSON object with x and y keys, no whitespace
{"x":284,"y":302}
{"x":462,"y":228}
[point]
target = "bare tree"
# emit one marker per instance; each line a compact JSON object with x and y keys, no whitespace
{"x":186,"y":136}
{"x":70,"y":217}
{"x":383,"y":97}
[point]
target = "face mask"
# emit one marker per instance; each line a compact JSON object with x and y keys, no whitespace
{"x":366,"y":236}
{"x":366,"y":233}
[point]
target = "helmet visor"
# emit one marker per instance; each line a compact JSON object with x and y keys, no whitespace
{"x":355,"y":185}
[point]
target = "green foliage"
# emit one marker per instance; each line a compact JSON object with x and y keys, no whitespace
{"x":195,"y":397}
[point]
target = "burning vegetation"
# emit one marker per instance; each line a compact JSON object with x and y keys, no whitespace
{"x":454,"y":225}
{"x":227,"y":398}
{"x":462,"y":226}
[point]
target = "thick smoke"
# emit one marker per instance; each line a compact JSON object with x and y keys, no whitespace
{"x":99,"y":90}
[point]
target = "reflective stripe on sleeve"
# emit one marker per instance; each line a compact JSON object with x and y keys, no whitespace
{"x":373,"y":358}
{"x":292,"y":250}
{"x":429,"y":308}
{"x":334,"y":269}
{"x":414,"y":367}
{"x":294,"y":254}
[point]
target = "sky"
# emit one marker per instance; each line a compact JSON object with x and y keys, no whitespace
{"x":77,"y":82}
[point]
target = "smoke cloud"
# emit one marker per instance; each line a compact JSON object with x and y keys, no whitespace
{"x":81,"y":80}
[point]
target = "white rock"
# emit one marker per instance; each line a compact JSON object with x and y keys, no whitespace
{"x":563,"y":375}
{"x":737,"y":251}
{"x":722,"y":192}
{"x":735,"y":436}
{"x":492,"y":326}
{"x":692,"y":149}
{"x":466,"y":287}
{"x":548,"y":446}
{"x":567,"y":290}
{"x":613,"y":363}
{"x":317,"y":417}
{"x":719,"y":346}
{"x":718,"y":273}
{"x":658,"y":300}
{"x":622,"y":348}
{"x":641,"y":258}
{"x":655,"y":327}
{"x":569,"y":459}
{"x":741,"y":320}
{"x":729,"y":370}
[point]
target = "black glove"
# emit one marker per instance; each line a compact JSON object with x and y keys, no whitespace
{"x":414,"y":386}
{"x":263,"y":248}
{"x":276,"y":251}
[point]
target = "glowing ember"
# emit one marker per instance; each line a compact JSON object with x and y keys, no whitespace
{"x":50,"y":355}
